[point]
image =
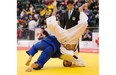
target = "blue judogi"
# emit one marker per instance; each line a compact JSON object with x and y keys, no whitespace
{"x":50,"y":48}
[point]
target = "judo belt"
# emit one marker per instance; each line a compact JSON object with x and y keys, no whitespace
{"x":69,"y":46}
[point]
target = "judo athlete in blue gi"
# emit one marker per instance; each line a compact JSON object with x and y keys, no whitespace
{"x":50,"y":48}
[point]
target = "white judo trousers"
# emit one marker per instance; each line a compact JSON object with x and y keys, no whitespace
{"x":69,"y":36}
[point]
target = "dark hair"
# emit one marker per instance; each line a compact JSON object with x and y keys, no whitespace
{"x":42,"y":28}
{"x":70,"y":2}
{"x":46,"y":33}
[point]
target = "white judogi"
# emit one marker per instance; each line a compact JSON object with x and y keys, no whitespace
{"x":69,"y":36}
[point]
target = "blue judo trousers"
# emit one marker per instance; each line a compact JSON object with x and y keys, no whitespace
{"x":50,"y":49}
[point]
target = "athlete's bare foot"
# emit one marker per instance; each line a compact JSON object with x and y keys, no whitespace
{"x":31,"y":67}
{"x":28,"y":61}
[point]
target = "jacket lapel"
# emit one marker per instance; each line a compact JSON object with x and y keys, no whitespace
{"x":71,"y":15}
{"x":67,"y":15}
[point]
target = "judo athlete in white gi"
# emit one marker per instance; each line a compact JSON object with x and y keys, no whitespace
{"x":69,"y":38}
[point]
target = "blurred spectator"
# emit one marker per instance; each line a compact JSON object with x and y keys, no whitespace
{"x":48,"y":12}
{"x":19,"y":28}
{"x":90,"y":16}
{"x":25,"y":28}
{"x":23,"y":12}
{"x":42,"y":21}
{"x":40,"y":1}
{"x":19,"y":31}
{"x":31,"y":8}
{"x":82,"y":1}
{"x":87,"y":35}
{"x":19,"y":5}
{"x":27,"y":9}
{"x":27,"y":6}
{"x":18,"y":12}
{"x":24,"y":16}
{"x":43,"y":34}
{"x":97,"y":19}
{"x":42,"y":11}
{"x":31,"y":2}
{"x":78,"y":3}
{"x":32,"y":25}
